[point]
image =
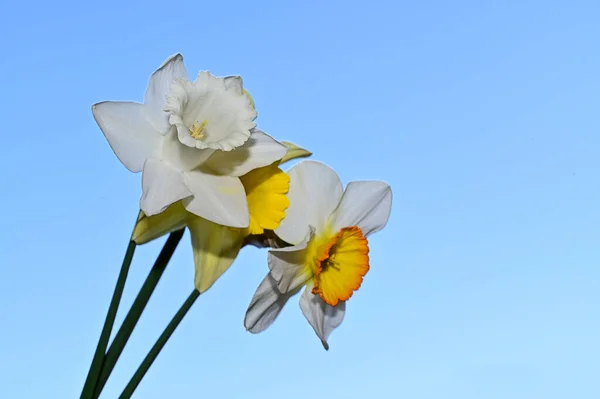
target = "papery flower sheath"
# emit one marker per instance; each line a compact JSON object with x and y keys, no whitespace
{"x":192,"y":141}
{"x":328,"y":229}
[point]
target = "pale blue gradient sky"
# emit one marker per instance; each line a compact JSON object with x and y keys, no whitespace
{"x":482,"y":117}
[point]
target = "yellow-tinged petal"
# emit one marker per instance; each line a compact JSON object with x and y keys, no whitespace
{"x":266,"y":190}
{"x":249,"y":98}
{"x":215,"y":247}
{"x":294,"y":152}
{"x":341,"y":265}
{"x":149,"y":228}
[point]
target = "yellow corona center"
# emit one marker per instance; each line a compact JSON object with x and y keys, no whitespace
{"x":340,"y":264}
{"x":196,"y":129}
{"x":266,"y":192}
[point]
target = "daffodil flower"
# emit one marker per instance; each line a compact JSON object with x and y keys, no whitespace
{"x":215,"y":246}
{"x":328,"y":228}
{"x":192,"y":141}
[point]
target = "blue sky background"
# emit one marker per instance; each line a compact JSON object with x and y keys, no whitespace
{"x":482,"y":117}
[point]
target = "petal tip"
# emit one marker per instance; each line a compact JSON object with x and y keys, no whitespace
{"x":96,"y":106}
{"x":247,"y":325}
{"x":172,"y":58}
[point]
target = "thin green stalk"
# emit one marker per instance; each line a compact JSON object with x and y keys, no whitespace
{"x":98,"y":359}
{"x":160,"y":343}
{"x":134,"y":314}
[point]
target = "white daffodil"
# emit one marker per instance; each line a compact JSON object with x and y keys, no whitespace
{"x":328,"y":228}
{"x":192,"y":141}
{"x":214,"y":246}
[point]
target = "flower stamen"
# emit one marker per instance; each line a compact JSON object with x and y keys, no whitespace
{"x":196,"y":130}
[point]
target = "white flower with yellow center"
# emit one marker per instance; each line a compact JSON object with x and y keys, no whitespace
{"x":192,"y":141}
{"x":328,"y":228}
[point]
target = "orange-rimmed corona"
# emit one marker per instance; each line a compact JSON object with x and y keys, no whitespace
{"x":328,"y":229}
{"x":340,"y":265}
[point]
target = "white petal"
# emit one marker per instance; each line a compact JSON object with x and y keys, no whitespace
{"x":181,"y":156}
{"x":215,"y":248}
{"x":162,"y":185}
{"x":322,"y":317}
{"x":235,"y":83}
{"x":158,"y":88}
{"x":260,"y":150}
{"x":220,"y":199}
{"x":128,"y":131}
{"x":265,"y":306}
{"x":315,"y":191}
{"x":366,"y":204}
{"x":287,"y":266}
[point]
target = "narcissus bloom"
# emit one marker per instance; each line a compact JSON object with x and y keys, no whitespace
{"x":328,"y":228}
{"x":215,"y":247}
{"x":192,"y":141}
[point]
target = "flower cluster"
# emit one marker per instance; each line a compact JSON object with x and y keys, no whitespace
{"x":206,"y":166}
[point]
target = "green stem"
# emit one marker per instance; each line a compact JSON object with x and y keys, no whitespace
{"x":98,"y":359}
{"x":160,"y":343}
{"x":134,"y":314}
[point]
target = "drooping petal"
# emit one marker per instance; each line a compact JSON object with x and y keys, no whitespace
{"x":266,"y":191}
{"x":322,"y":317}
{"x":149,"y":228}
{"x":287,"y":266}
{"x":128,"y":130}
{"x":266,"y":305}
{"x":159,"y":87}
{"x":294,"y":152}
{"x":315,"y":191}
{"x":366,"y":204}
{"x":162,"y":185}
{"x":260,"y":150}
{"x":220,"y":199}
{"x":215,"y":248}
